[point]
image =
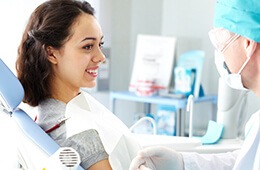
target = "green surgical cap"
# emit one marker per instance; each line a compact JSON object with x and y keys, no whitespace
{"x":239,"y":16}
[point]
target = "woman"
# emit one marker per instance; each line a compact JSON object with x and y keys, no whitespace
{"x":60,"y":52}
{"x":236,"y":37}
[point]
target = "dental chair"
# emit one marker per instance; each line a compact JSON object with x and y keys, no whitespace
{"x":34,"y":147}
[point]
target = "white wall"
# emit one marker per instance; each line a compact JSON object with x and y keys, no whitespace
{"x":13,"y":16}
{"x":190,"y":22}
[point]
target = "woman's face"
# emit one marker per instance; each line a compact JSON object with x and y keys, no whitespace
{"x":77,"y":62}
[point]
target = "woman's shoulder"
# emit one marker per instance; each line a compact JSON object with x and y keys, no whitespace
{"x":50,"y":110}
{"x":51,"y":104}
{"x":31,"y":111}
{"x":93,"y":102}
{"x":89,"y":146}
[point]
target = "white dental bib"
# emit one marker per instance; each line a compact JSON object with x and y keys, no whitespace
{"x":86,"y":113}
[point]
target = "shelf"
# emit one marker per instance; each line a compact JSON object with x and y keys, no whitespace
{"x":179,"y":103}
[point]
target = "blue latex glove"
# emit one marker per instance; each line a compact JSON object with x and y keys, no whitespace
{"x":157,"y":158}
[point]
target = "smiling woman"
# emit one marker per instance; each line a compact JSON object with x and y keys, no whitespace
{"x":57,"y":57}
{"x":54,"y":59}
{"x":75,"y":64}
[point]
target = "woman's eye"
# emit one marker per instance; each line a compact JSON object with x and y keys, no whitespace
{"x":101,"y":44}
{"x":88,"y":47}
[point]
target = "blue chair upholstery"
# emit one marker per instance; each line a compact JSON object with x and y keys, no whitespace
{"x":11,"y":95}
{"x":11,"y":89}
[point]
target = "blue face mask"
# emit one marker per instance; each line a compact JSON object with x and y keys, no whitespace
{"x":234,"y":80}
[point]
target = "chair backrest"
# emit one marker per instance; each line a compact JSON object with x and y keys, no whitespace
{"x":35,"y":146}
{"x":11,"y":90}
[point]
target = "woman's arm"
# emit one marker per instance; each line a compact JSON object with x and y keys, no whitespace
{"x":91,"y":150}
{"x":103,"y":164}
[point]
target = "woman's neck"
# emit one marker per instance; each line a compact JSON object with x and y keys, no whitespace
{"x":63,"y":93}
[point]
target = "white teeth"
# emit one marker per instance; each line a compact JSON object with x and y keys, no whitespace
{"x":92,"y":71}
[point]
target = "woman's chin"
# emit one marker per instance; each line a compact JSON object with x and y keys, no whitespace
{"x":90,"y":85}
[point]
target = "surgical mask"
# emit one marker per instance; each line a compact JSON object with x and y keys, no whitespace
{"x":234,"y":80}
{"x":222,"y":39}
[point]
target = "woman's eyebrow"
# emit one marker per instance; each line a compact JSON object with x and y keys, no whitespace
{"x":91,"y":38}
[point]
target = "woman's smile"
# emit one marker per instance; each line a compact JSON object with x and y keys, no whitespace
{"x":92,"y":71}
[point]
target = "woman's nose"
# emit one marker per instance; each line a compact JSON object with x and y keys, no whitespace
{"x":99,"y":57}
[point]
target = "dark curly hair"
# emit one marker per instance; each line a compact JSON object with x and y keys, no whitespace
{"x":49,"y":25}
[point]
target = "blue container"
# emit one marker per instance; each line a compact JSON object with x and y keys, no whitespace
{"x":165,"y":120}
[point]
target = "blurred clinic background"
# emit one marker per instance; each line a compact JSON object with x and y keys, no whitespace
{"x":122,"y":21}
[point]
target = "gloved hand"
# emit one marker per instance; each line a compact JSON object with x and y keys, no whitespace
{"x":157,"y":158}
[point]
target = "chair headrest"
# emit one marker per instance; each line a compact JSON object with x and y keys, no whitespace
{"x":11,"y":90}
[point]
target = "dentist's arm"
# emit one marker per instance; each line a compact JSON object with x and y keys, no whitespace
{"x":157,"y":158}
{"x":162,"y":158}
{"x":216,"y":161}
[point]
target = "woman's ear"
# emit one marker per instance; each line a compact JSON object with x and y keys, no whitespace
{"x":250,"y":47}
{"x":52,"y":54}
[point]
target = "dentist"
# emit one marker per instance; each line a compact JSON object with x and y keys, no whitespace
{"x":236,"y":37}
